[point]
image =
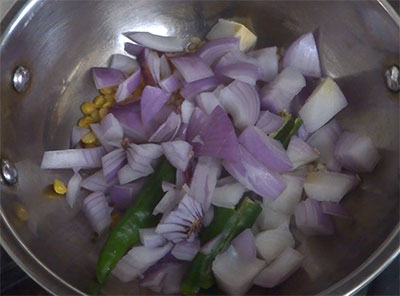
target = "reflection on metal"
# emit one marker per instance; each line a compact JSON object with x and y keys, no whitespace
{"x":21,"y":79}
{"x":8,"y":172}
{"x":392,"y":78}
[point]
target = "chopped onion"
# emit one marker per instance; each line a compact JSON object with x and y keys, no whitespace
{"x":187,"y":109}
{"x":228,"y":193}
{"x":208,"y":216}
{"x":241,"y":101}
{"x":281,"y":269}
{"x":127,"y":87}
{"x":244,"y":72}
{"x":324,"y":103}
{"x":107,"y":77}
{"x":245,"y":245}
{"x":173,"y":279}
{"x":169,"y":201}
{"x":303,"y":55}
{"x":254,"y":176}
{"x":211,"y":51}
{"x":125,"y":272}
{"x":216,"y":137}
{"x":124,"y":64}
{"x":77,"y":134}
{"x":152,"y":101}
{"x":311,"y":220}
{"x":235,"y":57}
{"x":170,"y":83}
{"x":156,"y":42}
{"x":73,"y":189}
{"x":130,"y":120}
{"x":97,"y":182}
{"x":204,"y":179}
{"x":191,"y":67}
{"x":207,"y":101}
{"x":154,"y":277}
{"x":198,"y":121}
{"x":192,"y":89}
{"x":150,"y":239}
{"x":356,"y":153}
{"x":271,"y":243}
{"x":178,"y":153}
{"x":185,"y":250}
{"x":226,"y":28}
{"x":266,"y":150}
{"x":109,"y":132}
{"x":269,"y":122}
{"x":133,"y":49}
{"x":271,"y":219}
{"x":88,"y":158}
{"x":287,"y":202}
{"x":97,"y":211}
{"x":334,"y":209}
{"x":300,"y":153}
{"x":112,"y":162}
{"x":329,"y":186}
{"x":150,"y":64}
{"x":324,"y":140}
{"x":302,"y":133}
{"x":165,"y":69}
{"x":268,"y":60}
{"x":168,"y":130}
{"x":277,"y":95}
{"x":235,"y":274}
{"x":121,"y":196}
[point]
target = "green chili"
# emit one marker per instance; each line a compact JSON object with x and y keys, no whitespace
{"x":140,"y":215}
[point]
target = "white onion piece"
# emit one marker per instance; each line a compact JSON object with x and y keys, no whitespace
{"x":245,"y":245}
{"x":286,"y":202}
{"x":311,"y":220}
{"x":169,"y":201}
{"x":244,"y":72}
{"x":281,"y":269}
{"x":97,"y":211}
{"x":112,"y":163}
{"x":165,"y":69}
{"x":266,"y":150}
{"x":277,"y":95}
{"x":254,"y":176}
{"x":109,"y":132}
{"x":187,"y":109}
{"x":228,"y":193}
{"x":178,"y":153}
{"x":207,"y":101}
{"x":324,"y":103}
{"x":271,"y":219}
{"x":241,"y":101}
{"x":324,"y":140}
{"x":269,"y":122}
{"x":300,"y":153}
{"x":211,"y":51}
{"x":150,"y":64}
{"x":73,"y":189}
{"x":150,"y":239}
{"x":192,"y":89}
{"x":156,"y":42}
{"x":235,"y":274}
{"x":77,"y":134}
{"x":141,"y":258}
{"x":97,"y":182}
{"x":124,"y":63}
{"x":106,"y":77}
{"x":191,"y":67}
{"x":356,"y":153}
{"x":204,"y":179}
{"x":127,"y":87}
{"x":168,"y":130}
{"x":226,"y":28}
{"x":125,"y":272}
{"x":88,"y":158}
{"x":303,"y":55}
{"x":185,"y":250}
{"x":236,"y":57}
{"x":271,"y":243}
{"x":329,"y":186}
{"x":267,"y":59}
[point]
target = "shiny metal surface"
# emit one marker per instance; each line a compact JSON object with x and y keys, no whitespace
{"x":392,"y":77}
{"x":8,"y":172}
{"x":60,"y":40}
{"x":21,"y":79}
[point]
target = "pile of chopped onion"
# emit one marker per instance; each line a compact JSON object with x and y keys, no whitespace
{"x":214,"y":114}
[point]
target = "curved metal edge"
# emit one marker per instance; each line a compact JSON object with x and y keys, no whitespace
{"x":390,"y":11}
{"x":371,"y":268}
{"x":38,"y":271}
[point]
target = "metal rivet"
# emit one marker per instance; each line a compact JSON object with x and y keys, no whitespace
{"x":392,"y":78}
{"x":21,"y":79}
{"x":9,"y":172}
